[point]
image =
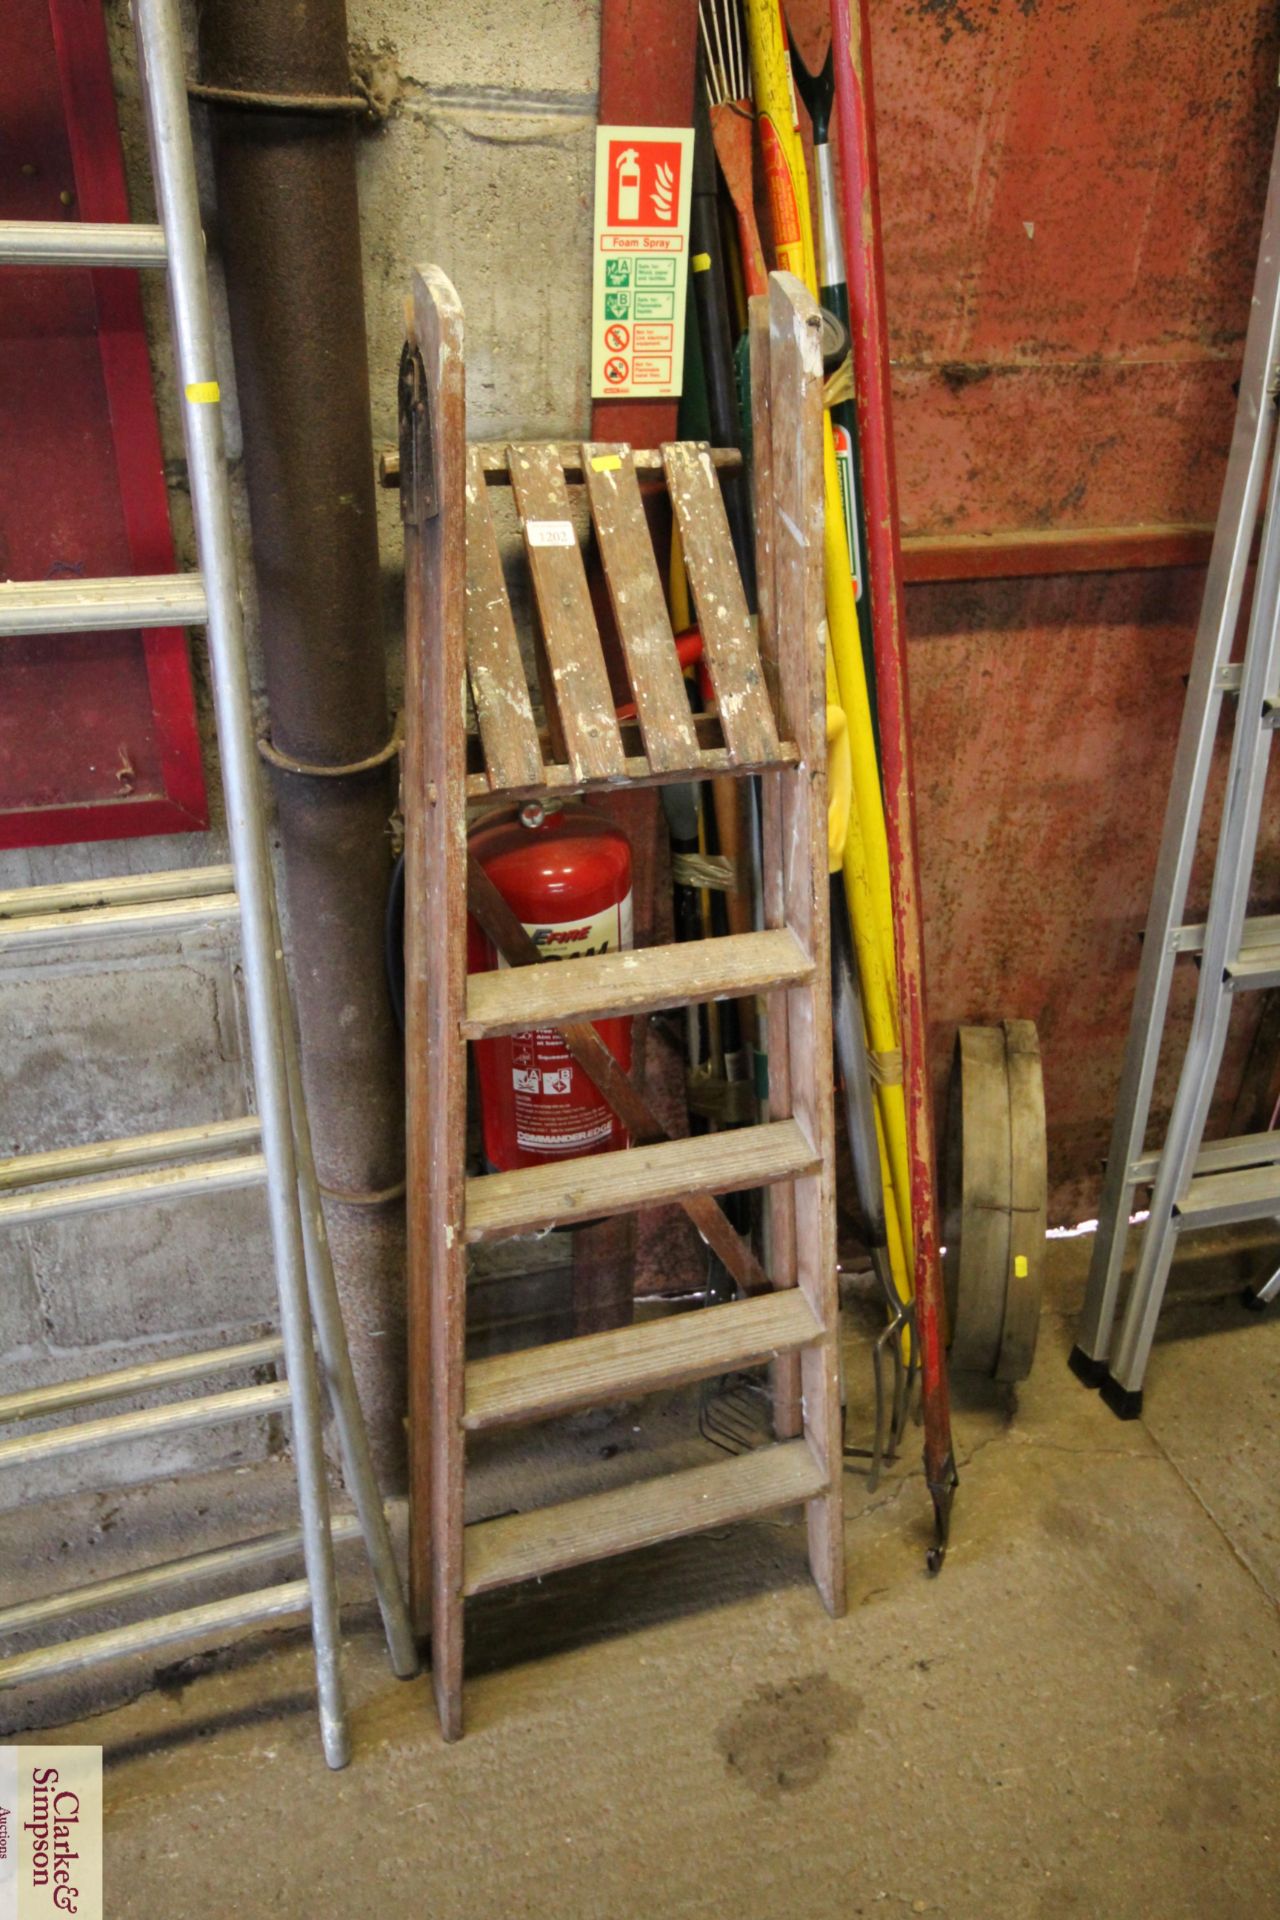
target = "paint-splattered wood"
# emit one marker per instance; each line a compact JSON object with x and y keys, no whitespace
{"x":711,"y":762}
{"x":508,"y":731}
{"x":525,"y":1546}
{"x":583,"y":698}
{"x":639,"y":607}
{"x":796,"y":428}
{"x":728,"y":643}
{"x":435,"y":993}
{"x":788,"y":1414}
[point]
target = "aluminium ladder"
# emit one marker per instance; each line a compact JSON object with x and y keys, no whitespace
{"x":768,"y":720}
{"x":1194,"y":1184}
{"x":272,"y":1147}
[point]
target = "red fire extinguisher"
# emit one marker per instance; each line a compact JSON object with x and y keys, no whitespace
{"x":567,"y":877}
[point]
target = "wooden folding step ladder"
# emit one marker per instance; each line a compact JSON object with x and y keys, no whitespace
{"x":271,"y":1148}
{"x":768,"y":718}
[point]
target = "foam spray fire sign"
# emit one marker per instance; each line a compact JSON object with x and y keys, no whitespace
{"x":640,"y":261}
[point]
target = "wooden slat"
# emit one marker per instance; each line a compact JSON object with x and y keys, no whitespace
{"x":598,"y":985}
{"x":578,"y":1189}
{"x":541,"y":1382}
{"x":508,"y":730}
{"x":708,"y":765}
{"x":493,"y":462}
{"x":524,"y":1546}
{"x":583,"y":697}
{"x":631,"y":1106}
{"x":639,"y":606}
{"x":728,"y":643}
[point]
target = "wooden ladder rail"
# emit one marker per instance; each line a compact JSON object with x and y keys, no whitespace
{"x":793,"y":1323}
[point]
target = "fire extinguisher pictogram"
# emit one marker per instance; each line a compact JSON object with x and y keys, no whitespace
{"x":567,"y":877}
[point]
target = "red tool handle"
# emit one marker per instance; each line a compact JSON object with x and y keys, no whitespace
{"x":865,"y":260}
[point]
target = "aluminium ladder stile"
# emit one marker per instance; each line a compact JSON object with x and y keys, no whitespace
{"x":273,"y":1147}
{"x":768,"y":720}
{"x":1194,"y":1184}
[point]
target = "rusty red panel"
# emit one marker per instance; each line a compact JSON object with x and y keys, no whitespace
{"x":1072,"y":199}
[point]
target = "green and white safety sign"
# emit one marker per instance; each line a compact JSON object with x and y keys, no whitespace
{"x":640,"y":261}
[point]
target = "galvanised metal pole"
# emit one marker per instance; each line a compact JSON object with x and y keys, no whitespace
{"x":164,"y":91}
{"x":344,"y":1401}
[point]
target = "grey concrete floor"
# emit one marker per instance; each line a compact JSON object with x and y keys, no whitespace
{"x":1078,"y":1717}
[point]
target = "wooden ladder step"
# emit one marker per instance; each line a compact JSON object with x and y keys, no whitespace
{"x":598,"y":985}
{"x":588,"y":1186}
{"x":541,"y":1382}
{"x":524,"y":1546}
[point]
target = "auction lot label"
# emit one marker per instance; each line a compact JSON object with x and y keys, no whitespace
{"x":50,"y":1832}
{"x":640,"y":261}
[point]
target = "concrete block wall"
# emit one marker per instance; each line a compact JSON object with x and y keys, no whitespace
{"x":484,"y":164}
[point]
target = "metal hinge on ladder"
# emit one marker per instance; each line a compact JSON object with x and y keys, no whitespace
{"x":419,"y":489}
{"x":273,"y":1147}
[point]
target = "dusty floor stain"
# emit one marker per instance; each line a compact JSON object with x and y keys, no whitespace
{"x":780,"y":1740}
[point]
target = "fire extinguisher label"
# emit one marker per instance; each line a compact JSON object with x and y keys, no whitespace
{"x":557,"y":1110}
{"x":639,"y":275}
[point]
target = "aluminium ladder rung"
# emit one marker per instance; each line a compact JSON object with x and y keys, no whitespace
{"x":642,"y":980}
{"x":152,"y":1183}
{"x":1262,"y":931}
{"x":209,"y":1565}
{"x":561,"y":1191}
{"x":525,"y":1546}
{"x":1217,"y":1156}
{"x":140,"y":903}
{"x":539,"y":1383}
{"x":240,"y":1403}
{"x":81,"y":243}
{"x":192,"y":1623}
{"x":102,"y":606}
{"x":123,"y":890}
{"x":1255,"y":968}
{"x":1222,"y":1199}
{"x":134,"y":1150}
{"x":33,"y":1403}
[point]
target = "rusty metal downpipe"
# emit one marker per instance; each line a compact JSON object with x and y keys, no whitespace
{"x":288,"y":233}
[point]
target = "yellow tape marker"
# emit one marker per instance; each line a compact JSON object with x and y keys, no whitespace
{"x":701,"y":263}
{"x":1019,"y":1266}
{"x":605,"y":463}
{"x":205,"y":393}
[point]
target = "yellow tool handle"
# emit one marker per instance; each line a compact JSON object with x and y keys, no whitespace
{"x":866,"y":849}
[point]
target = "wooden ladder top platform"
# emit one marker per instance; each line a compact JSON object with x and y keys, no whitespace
{"x":585,"y":746}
